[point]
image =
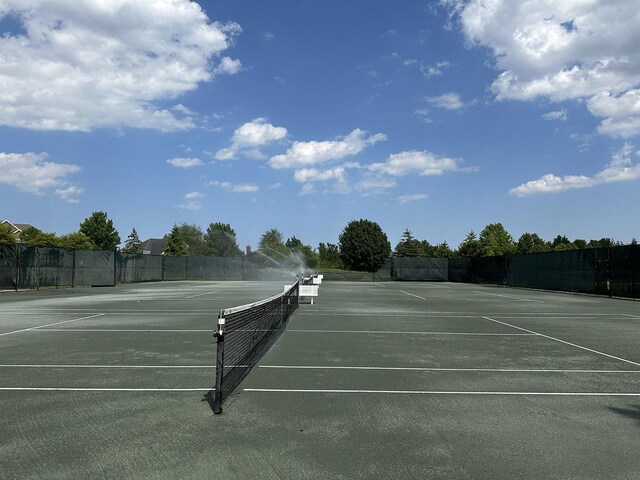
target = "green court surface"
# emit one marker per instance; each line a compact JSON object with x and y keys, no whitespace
{"x":374,"y":380}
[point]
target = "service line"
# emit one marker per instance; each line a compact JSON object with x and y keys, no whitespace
{"x":563,"y":341}
{"x":52,"y":324}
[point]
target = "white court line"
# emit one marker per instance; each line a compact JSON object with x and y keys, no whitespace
{"x":542,"y":316}
{"x":121,"y":330}
{"x":81,"y":389}
{"x":202,"y":294}
{"x":509,"y":296}
{"x":435,"y":369}
{"x":49,"y":365}
{"x":66,"y":311}
{"x":386,"y":332}
{"x":412,"y":295}
{"x":565,"y":342}
{"x":439,"y":392}
{"x":632,"y":316}
{"x":51,"y":324}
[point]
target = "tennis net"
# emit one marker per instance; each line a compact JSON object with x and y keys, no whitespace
{"x":244,"y":335}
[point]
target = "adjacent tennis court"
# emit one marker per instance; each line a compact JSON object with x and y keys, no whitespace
{"x":374,"y":380}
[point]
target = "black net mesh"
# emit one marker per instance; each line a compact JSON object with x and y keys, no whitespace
{"x":247,"y":333}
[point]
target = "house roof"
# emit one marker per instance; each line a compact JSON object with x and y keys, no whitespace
{"x":154,"y":246}
{"x":17,"y":228}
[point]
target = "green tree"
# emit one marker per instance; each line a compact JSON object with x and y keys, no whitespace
{"x":495,"y":240}
{"x":294,"y":244}
{"x":271,"y":249}
{"x":301,"y":254}
{"x":428,"y":249}
{"x":531,"y":243}
{"x":176,"y":245}
{"x":470,"y":246}
{"x":408,"y":246}
{"x":76,"y":240}
{"x":220,"y":241}
{"x":35,"y":236}
{"x":100,"y":230}
{"x":185,"y":239}
{"x":602,"y":243}
{"x":329,"y":256}
{"x":364,"y":246}
{"x":561,"y":242}
{"x":442,"y":250}
{"x":5,"y":234}
{"x":272,"y":241}
{"x":133,"y":243}
{"x":580,"y":243}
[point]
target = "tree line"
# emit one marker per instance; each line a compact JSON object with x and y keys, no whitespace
{"x":362,"y":245}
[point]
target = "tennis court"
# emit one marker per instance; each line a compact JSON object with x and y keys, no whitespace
{"x":374,"y":380}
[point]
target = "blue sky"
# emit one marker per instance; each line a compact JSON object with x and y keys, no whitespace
{"x":437,"y":116}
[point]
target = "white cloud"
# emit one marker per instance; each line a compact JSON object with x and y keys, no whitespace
{"x":434,"y":70}
{"x":307,"y":154}
{"x":235,"y":188}
{"x":228,"y":66}
{"x":69,"y":194}
{"x":562,"y":50}
{"x":180,"y":162}
{"x":448,"y":101}
{"x":307,"y":175}
{"x":307,"y":189}
{"x":414,"y":197}
{"x":621,"y":113}
{"x":32,"y":173}
{"x":85,"y":64}
{"x":619,"y":169}
{"x":560,"y":115}
{"x":373,"y":184}
{"x":423,"y":113}
{"x":194,"y":195}
{"x":423,"y":163}
{"x":248,"y":138}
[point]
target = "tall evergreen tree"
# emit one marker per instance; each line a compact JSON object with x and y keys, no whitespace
{"x":408,"y":246}
{"x":220,"y":241}
{"x":133,"y":243}
{"x":100,"y":230}
{"x":470,"y":246}
{"x":495,"y":240}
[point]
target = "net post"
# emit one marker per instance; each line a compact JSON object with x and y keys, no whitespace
{"x":219,"y":335}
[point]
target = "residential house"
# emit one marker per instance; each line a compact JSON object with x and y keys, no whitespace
{"x":16,"y":228}
{"x":154,"y":246}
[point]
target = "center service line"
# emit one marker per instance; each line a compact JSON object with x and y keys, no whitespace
{"x":52,"y":324}
{"x":565,"y":342}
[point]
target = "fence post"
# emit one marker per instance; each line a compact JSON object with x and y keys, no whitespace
{"x":17,"y":276}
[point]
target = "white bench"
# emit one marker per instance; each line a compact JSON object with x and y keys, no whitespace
{"x":305,"y":291}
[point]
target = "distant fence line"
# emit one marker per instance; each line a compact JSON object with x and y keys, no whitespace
{"x":24,"y":267}
{"x":613,"y":271}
